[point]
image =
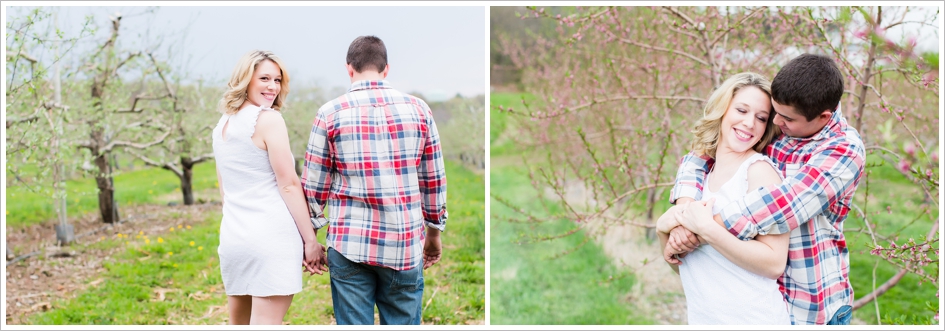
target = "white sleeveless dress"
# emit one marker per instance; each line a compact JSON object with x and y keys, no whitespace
{"x":720,"y":292}
{"x":260,"y":245}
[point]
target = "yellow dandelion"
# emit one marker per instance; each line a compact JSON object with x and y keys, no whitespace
{"x":126,"y":243}
{"x":8,"y":212}
{"x":150,"y":191}
{"x":101,"y":238}
{"x":170,"y":253}
{"x":147,"y":241}
{"x":188,"y":227}
{"x":160,"y":240}
{"x":172,"y":228}
{"x":154,"y":183}
{"x":191,"y":243}
{"x":199,"y":248}
{"x":175,"y":265}
{"x":179,"y":226}
{"x":77,"y":200}
{"x":141,"y":233}
{"x":138,"y":237}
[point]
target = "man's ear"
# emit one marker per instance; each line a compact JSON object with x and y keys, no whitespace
{"x":350,"y":69}
{"x":386,"y":71}
{"x":825,"y":116}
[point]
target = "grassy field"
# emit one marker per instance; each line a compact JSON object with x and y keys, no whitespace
{"x":146,"y":185}
{"x":175,"y":279}
{"x":906,"y":303}
{"x":527,"y":284}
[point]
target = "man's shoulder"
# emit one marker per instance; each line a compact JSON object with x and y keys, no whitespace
{"x":846,"y":139}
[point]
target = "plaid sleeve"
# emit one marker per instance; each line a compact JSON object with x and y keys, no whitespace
{"x":690,"y":177}
{"x":316,"y":177}
{"x":817,"y":185}
{"x":432,"y":176}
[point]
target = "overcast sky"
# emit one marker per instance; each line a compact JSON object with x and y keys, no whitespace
{"x":436,"y":51}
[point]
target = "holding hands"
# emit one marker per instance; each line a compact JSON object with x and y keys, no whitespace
{"x":315,"y":260}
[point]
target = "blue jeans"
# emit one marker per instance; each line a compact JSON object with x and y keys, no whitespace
{"x":842,"y":316}
{"x":357,"y":287}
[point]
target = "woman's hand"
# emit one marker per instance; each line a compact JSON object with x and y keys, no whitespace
{"x":667,"y":221}
{"x":314,"y":260}
{"x":695,"y":216}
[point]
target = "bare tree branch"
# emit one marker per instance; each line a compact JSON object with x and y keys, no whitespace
{"x":121,"y":143}
{"x":165,"y":165}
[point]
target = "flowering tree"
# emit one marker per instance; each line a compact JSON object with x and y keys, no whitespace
{"x":618,"y":88}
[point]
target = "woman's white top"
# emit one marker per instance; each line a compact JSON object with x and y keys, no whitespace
{"x":717,"y":290}
{"x":260,"y":245}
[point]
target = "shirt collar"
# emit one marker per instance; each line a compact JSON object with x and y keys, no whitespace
{"x":369,"y":85}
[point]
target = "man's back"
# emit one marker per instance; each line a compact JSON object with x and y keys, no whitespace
{"x":374,"y":157}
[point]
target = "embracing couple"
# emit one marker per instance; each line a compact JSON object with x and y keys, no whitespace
{"x":374,"y":175}
{"x":758,"y":238}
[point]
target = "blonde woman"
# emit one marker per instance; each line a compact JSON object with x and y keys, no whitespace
{"x":730,"y":273}
{"x":266,"y":232}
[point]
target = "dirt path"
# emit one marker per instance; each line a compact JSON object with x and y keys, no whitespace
{"x":61,"y":272}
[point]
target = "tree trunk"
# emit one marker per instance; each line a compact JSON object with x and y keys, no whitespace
{"x":186,"y":180}
{"x":106,"y":190}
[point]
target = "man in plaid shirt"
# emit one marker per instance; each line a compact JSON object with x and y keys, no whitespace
{"x":821,"y":158}
{"x":374,"y":157}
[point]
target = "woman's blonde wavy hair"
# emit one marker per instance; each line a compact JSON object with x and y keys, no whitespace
{"x":235,"y":94}
{"x":707,"y":130}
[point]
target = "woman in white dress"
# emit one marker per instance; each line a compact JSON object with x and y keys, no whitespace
{"x":266,"y":235}
{"x":730,"y":281}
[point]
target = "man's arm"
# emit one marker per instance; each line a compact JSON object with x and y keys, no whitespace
{"x":432,"y":177}
{"x":316,"y":177}
{"x":818,"y":184}
{"x":690,"y":177}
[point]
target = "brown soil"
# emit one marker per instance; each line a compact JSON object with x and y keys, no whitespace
{"x":33,"y":283}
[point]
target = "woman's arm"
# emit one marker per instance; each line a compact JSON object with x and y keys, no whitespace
{"x":270,"y":126}
{"x":664,"y":226}
{"x":220,"y":184}
{"x":765,"y":256}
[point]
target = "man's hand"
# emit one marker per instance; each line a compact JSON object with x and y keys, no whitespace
{"x":432,"y":248}
{"x":315,"y":260}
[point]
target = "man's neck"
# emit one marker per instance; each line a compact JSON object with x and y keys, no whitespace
{"x":367,"y":75}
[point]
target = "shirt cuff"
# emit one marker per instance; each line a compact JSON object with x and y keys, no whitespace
{"x":319,"y":222}
{"x":684,"y":191}
{"x":439,"y":225}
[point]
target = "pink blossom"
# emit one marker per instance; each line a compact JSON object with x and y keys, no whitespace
{"x":861,"y":34}
{"x":934,"y":156}
{"x":910,"y":149}
{"x":903,"y":165}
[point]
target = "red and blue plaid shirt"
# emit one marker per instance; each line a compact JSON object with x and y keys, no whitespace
{"x":374,"y":157}
{"x":821,"y":174}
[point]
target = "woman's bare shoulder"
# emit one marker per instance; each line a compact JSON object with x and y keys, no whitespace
{"x":762,"y":173}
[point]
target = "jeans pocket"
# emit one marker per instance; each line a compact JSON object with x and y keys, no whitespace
{"x":339,"y":267}
{"x":408,"y":280}
{"x":842,"y":316}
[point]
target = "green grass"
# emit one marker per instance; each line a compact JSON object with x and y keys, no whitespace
{"x":528,"y":285}
{"x":501,"y":122}
{"x":148,"y":185}
{"x":127,"y":293}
